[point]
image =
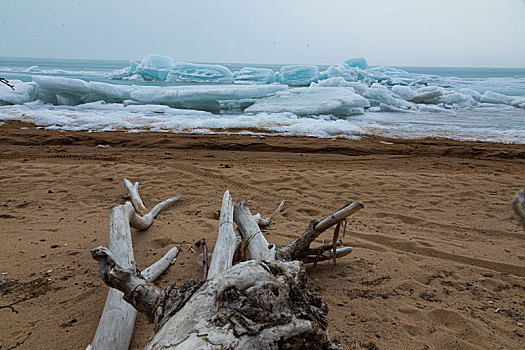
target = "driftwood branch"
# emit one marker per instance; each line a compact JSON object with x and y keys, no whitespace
{"x":10,"y":305}
{"x":299,"y":248}
{"x":263,"y":303}
{"x":116,"y":324}
{"x":133,"y":190}
{"x":227,"y":240}
{"x":518,"y":203}
{"x":20,"y":342}
{"x":258,"y":246}
{"x":137,"y":291}
{"x":202,"y":244}
{"x":265,"y":222}
{"x":6,"y":82}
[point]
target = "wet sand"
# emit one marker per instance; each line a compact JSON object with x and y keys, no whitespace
{"x":439,"y":259}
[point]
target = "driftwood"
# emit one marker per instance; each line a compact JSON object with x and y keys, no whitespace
{"x":116,"y":324}
{"x":228,"y":240}
{"x":263,"y":303}
{"x":6,"y":82}
{"x":518,"y":203}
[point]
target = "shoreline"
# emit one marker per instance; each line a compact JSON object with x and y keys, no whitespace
{"x":438,"y":260}
{"x":18,"y":133}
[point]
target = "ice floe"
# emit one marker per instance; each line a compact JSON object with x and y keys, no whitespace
{"x":299,"y":75}
{"x":249,"y":75}
{"x":404,"y":92}
{"x":427,"y":94}
{"x":59,"y":90}
{"x":199,"y":73}
{"x":357,"y":62}
{"x":22,"y":93}
{"x":204,"y":97}
{"x":312,"y":101}
{"x":155,"y":66}
{"x":496,"y":98}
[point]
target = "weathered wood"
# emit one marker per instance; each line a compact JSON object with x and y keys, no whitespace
{"x":298,"y":249}
{"x":144,"y":222}
{"x":118,"y":317}
{"x":227,"y":241}
{"x":6,"y":82}
{"x":327,"y":255}
{"x":518,"y":203}
{"x":133,"y":190}
{"x":258,"y":246}
{"x":137,"y":291}
{"x":154,"y":271}
{"x":338,"y":216}
{"x":265,"y":222}
{"x":252,"y":305}
{"x":201,"y":243}
{"x":263,"y":303}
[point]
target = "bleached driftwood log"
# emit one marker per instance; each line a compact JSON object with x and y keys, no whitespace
{"x":518,"y":203}
{"x":263,"y":303}
{"x":116,"y":324}
{"x":227,"y":240}
{"x":265,"y":222}
{"x":134,"y":195}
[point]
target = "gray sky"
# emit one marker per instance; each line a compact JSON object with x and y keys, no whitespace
{"x":488,"y":33}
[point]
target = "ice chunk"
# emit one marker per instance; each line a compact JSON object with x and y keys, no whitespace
{"x":519,"y":102}
{"x":62,"y":90}
{"x":199,"y":73}
{"x":496,"y":98}
{"x":383,"y":95}
{"x":378,"y":86}
{"x":312,"y":101}
{"x":341,"y":70}
{"x":155,"y":66}
{"x":109,"y":92}
{"x":61,"y":85}
{"x":427,"y":94}
{"x":475,"y":95}
{"x":202,"y":97}
{"x":457,"y":99}
{"x":124,"y":73}
{"x":334,"y":82}
{"x":360,"y":88}
{"x":357,"y":62}
{"x":387,"y":108}
{"x":436,"y":109}
{"x":296,"y":75}
{"x":249,"y":75}
{"x":237,"y":106}
{"x":404,"y":92}
{"x":67,"y":99}
{"x":23,"y":92}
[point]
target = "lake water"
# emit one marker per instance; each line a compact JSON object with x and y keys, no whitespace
{"x":482,"y":121}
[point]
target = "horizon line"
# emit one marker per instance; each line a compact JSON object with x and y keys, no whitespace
{"x":253,"y":63}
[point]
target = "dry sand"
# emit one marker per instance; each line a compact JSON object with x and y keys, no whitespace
{"x":439,"y":259}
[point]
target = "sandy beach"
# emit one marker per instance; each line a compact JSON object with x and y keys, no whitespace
{"x":438,"y":261}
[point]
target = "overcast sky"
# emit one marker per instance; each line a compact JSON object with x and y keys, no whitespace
{"x":488,"y":33}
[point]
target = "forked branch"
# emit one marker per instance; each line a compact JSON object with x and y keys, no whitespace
{"x":137,"y":291}
{"x":6,"y":82}
{"x":133,"y":190}
{"x":299,"y":249}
